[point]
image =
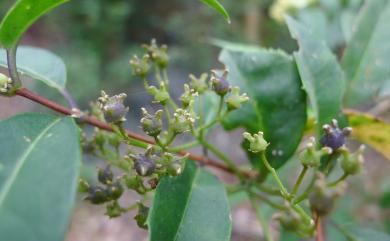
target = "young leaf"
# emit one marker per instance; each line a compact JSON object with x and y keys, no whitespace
{"x":365,"y":60}
{"x":370,"y":130}
{"x":21,"y":16}
{"x":40,"y":156}
{"x":39,"y":64}
{"x":218,"y":7}
{"x":277,"y":104}
{"x":321,"y":75}
{"x":191,"y":207}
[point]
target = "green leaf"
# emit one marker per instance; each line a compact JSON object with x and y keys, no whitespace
{"x":39,"y":64}
{"x":321,"y":75}
{"x":365,"y":234}
{"x":277,"y":103}
{"x":365,"y":61}
{"x":190,"y":207}
{"x":372,"y":131}
{"x":40,"y":155}
{"x":218,"y":7}
{"x":21,"y":16}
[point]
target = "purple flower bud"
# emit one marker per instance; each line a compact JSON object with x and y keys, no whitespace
{"x":219,"y":83}
{"x":334,"y":137}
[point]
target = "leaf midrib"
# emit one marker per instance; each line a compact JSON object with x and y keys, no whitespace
{"x":18,"y":166}
{"x":352,"y":81}
{"x":187,"y":202}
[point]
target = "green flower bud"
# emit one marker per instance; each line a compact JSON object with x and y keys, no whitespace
{"x":83,"y":186}
{"x":100,"y":138}
{"x":142,"y":216}
{"x":158,"y":54}
{"x":219,"y":83}
{"x":352,"y":163}
{"x":152,"y":124}
{"x":294,"y":222}
{"x":199,"y":84}
{"x":113,"y":108}
{"x":133,"y":182}
{"x":5,"y":83}
{"x":175,"y":168}
{"x":322,"y":198}
{"x":105,"y":175}
{"x":114,"y":191}
{"x":113,"y":210}
{"x":183,"y":121}
{"x":290,"y":220}
{"x":188,"y":97}
{"x":160,"y":95}
{"x":114,"y":140}
{"x":310,"y":156}
{"x":256,"y":142}
{"x":141,"y":67}
{"x":235,"y":100}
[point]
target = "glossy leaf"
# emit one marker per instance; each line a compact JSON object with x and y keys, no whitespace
{"x":21,"y":16}
{"x":218,"y":7}
{"x":321,"y":75}
{"x":39,"y":64}
{"x":365,"y":60}
{"x":277,"y":103}
{"x":370,"y":130}
{"x":190,"y":207}
{"x":40,"y":156}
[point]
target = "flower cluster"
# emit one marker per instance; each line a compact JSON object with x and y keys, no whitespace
{"x":141,"y":171}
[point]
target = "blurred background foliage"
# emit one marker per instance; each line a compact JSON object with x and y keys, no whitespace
{"x":96,"y":39}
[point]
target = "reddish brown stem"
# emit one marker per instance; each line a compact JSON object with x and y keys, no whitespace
{"x":26,"y":93}
{"x":320,"y":235}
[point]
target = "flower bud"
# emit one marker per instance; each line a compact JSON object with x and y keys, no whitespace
{"x":160,"y":95}
{"x":158,"y":54}
{"x":133,"y":182}
{"x":99,"y":138}
{"x":142,"y":216}
{"x":83,"y":186}
{"x":235,"y":100}
{"x":310,"y":157}
{"x":5,"y":83}
{"x":175,"y":168}
{"x":96,"y":195}
{"x":141,"y":67}
{"x":322,"y":198}
{"x":114,"y":191}
{"x":188,"y":97}
{"x":219,"y":83}
{"x":105,"y":175}
{"x":114,"y":140}
{"x":256,"y":142}
{"x":144,"y":166}
{"x":113,"y":210}
{"x":334,"y":137}
{"x":113,"y":108}
{"x":352,"y":163}
{"x":152,"y":124}
{"x":290,"y":220}
{"x":199,"y":84}
{"x":183,"y":121}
